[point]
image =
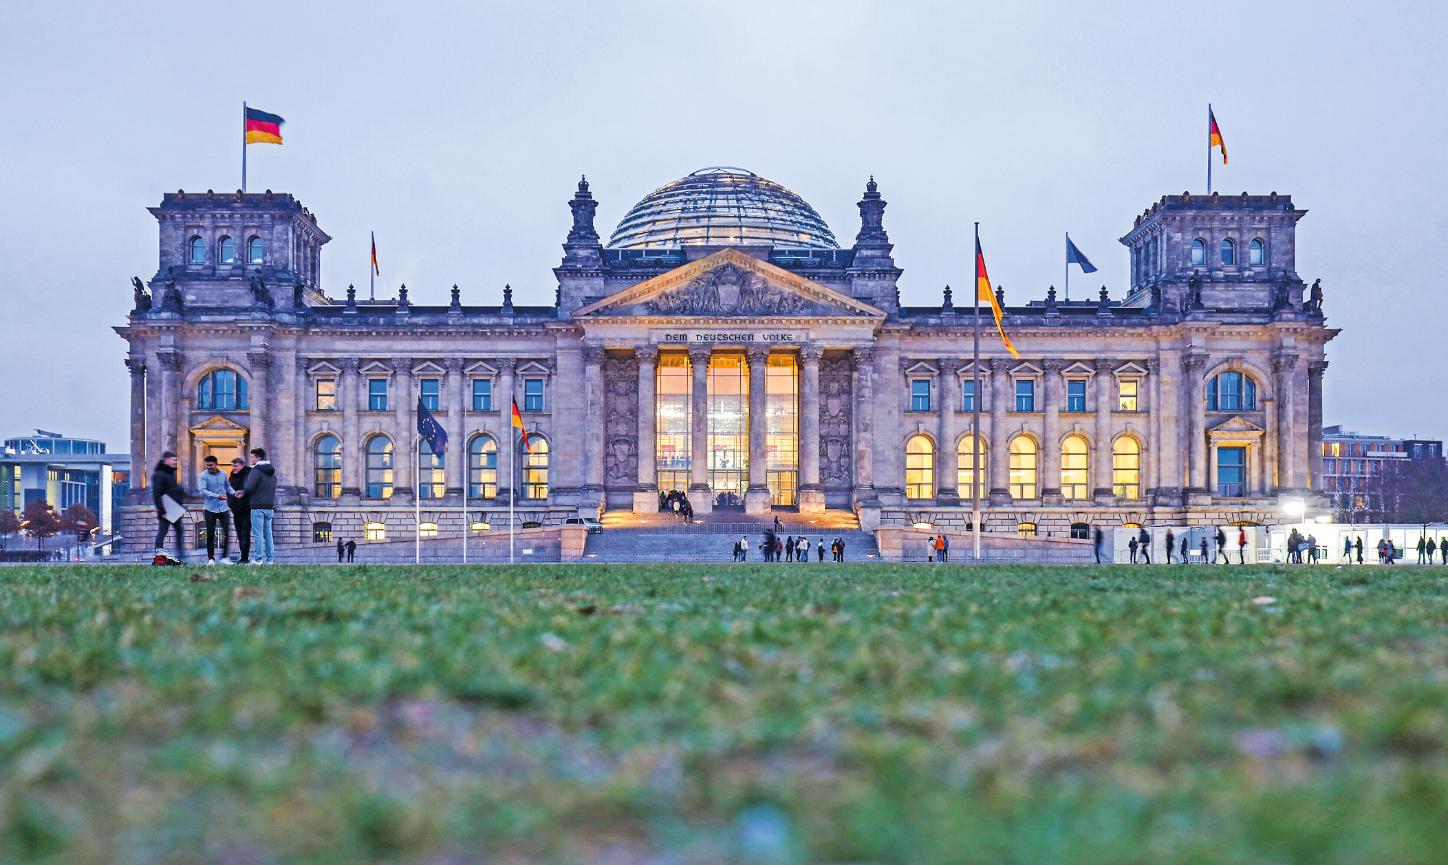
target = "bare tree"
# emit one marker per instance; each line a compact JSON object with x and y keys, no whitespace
{"x":40,"y":521}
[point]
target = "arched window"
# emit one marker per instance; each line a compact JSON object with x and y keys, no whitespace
{"x":1256,"y":252}
{"x":1231,"y":391}
{"x":919,"y":468}
{"x":1074,"y":459}
{"x":226,"y":251}
{"x":431,"y":472}
{"x":379,"y":467}
{"x":221,"y":390}
{"x":321,"y":533}
{"x":1199,"y":252}
{"x":1229,"y":251}
{"x":198,"y":250}
{"x":482,"y":468}
{"x":965,"y":459}
{"x":255,"y":250}
{"x":535,"y":468}
{"x":327,"y":467}
{"x":1126,"y":468}
{"x":1023,"y":467}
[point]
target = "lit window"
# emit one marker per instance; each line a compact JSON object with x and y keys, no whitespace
{"x":1074,"y":460}
{"x":1126,"y":392}
{"x":482,"y":394}
{"x":1026,"y":530}
{"x":478,"y":527}
{"x":1231,"y":472}
{"x":327,"y":467}
{"x":1023,"y":467}
{"x":965,"y":459}
{"x":1199,"y":253}
{"x":919,"y":395}
{"x":221,"y":390}
{"x":326,"y":394}
{"x":377,"y":394}
{"x":1229,"y":251}
{"x":533,"y":394}
{"x":226,"y":251}
{"x":427,"y":530}
{"x":198,"y":250}
{"x":374,"y":532}
{"x":431,"y":472}
{"x":1231,"y":391}
{"x":535,"y":467}
{"x":919,"y":468}
{"x":431,"y":390}
{"x":321,"y":533}
{"x":1126,"y":468}
{"x":255,"y":250}
{"x":1025,"y":394}
{"x":379,"y":467}
{"x":482,"y":468}
{"x":1256,"y":252}
{"x":1076,"y":394}
{"x":967,"y":395}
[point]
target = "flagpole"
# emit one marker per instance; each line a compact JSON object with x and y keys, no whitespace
{"x":372,"y":270}
{"x":1067,"y":268}
{"x":512,"y":493}
{"x":1209,"y":148}
{"x":975,"y":406}
{"x":417,"y":499}
{"x":467,"y":482}
{"x":243,"y":146}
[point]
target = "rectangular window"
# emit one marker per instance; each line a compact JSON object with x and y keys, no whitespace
{"x":1126,"y":391}
{"x":1231,"y":472}
{"x":482,"y":394}
{"x":1025,"y":394}
{"x":431,"y":394}
{"x":326,"y":394}
{"x":1076,"y":394}
{"x":532,"y":394}
{"x":377,"y":394}
{"x":919,"y":395}
{"x":967,"y":395}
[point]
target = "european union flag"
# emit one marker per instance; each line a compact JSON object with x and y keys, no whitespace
{"x":1074,"y":256}
{"x":430,"y":429}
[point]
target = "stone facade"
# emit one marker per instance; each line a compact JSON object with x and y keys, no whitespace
{"x":776,"y":376}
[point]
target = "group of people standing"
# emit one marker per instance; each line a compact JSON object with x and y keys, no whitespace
{"x":244,"y":497}
{"x":677,"y":503}
{"x":791,"y":548}
{"x":938,"y":548}
{"x":1139,"y":547}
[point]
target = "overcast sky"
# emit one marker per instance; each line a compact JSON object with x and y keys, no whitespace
{"x":458,"y":131}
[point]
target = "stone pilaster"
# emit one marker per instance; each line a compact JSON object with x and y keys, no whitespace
{"x":863,"y":387}
{"x":593,"y":412}
{"x":700,"y":496}
{"x":507,"y":437}
{"x":999,"y":464}
{"x":293,"y":408}
{"x":404,"y":451}
{"x":646,"y":493}
{"x":757,"y":496}
{"x":1051,"y":430}
{"x":259,"y":361}
{"x":353,"y":457}
{"x":456,"y":403}
{"x":170,"y":382}
{"x":811,"y":493}
{"x":140,"y":458}
{"x":947,"y":458}
{"x":1315,"y":371}
{"x":1289,"y":473}
{"x":1101,"y":385}
{"x":1194,"y":411}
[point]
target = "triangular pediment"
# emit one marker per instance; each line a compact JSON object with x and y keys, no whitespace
{"x":1235,"y":424}
{"x":730,"y":284}
{"x":1079,"y":370}
{"x":217,"y":424}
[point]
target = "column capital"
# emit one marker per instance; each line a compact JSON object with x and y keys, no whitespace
{"x":1053,"y":364}
{"x":350,"y":364}
{"x":757,"y":354}
{"x":454,"y":365}
{"x":1153,"y":366}
{"x":402,"y":364}
{"x":949,"y":365}
{"x":302,"y":364}
{"x":1316,"y":368}
{"x":170,"y":360}
{"x":864,"y":357}
{"x":1194,"y":362}
{"x":259,"y":358}
{"x":506,"y":365}
{"x":1000,"y":365}
{"x":593,"y":354}
{"x":137,"y":366}
{"x":647,"y":353}
{"x":1284,"y":361}
{"x":1104,"y":364}
{"x":811,"y":353}
{"x":699,"y":353}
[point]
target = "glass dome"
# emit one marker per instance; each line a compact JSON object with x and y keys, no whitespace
{"x":722,"y":207}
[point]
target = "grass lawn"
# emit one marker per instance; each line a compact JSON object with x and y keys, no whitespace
{"x":722,"y":714}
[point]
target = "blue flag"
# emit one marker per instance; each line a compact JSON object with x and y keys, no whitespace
{"x":431,"y":431}
{"x":1075,"y":256}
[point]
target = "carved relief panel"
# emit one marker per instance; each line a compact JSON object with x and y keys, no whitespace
{"x":836,"y":403}
{"x":621,"y":421}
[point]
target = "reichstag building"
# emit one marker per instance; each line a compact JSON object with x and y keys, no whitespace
{"x":723,"y":343}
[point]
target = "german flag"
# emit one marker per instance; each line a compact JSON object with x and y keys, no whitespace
{"x":518,"y":424}
{"x":262,"y":128}
{"x":985,"y":294}
{"x":1214,"y":135}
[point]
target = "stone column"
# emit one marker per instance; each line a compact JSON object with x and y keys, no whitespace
{"x":507,"y":437}
{"x":811,"y":493}
{"x":999,"y":463}
{"x":1051,"y":431}
{"x":259,"y":361}
{"x":1103,"y":393}
{"x":1194,"y":410}
{"x":1167,"y":412}
{"x":646,"y":491}
{"x":155,"y":421}
{"x":353,"y":456}
{"x":1151,"y":460}
{"x":1315,"y":370}
{"x":140,"y":459}
{"x":170,"y":372}
{"x":593,"y":421}
{"x":700,"y":496}
{"x":947,"y":458}
{"x":863,"y":388}
{"x":1284,"y":368}
{"x":757,"y":496}
{"x":299,"y":450}
{"x":456,"y":468}
{"x":404,"y":450}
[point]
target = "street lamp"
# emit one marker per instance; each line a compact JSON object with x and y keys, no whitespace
{"x":1294,"y":508}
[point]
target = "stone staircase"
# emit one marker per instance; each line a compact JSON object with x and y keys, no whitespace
{"x":663,"y":537}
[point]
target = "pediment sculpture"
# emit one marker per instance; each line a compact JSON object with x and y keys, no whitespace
{"x":728,"y":290}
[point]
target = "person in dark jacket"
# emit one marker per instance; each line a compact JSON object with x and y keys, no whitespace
{"x":260,"y":491}
{"x":1170,"y":545}
{"x":341,"y":550}
{"x":1098,"y":538}
{"x":351,"y":549}
{"x":1144,"y":539}
{"x":241,"y":509}
{"x":163,"y":484}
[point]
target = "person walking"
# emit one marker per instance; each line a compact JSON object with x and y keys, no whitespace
{"x":260,"y":493}
{"x":1432,"y":549}
{"x":215,"y":495}
{"x":1204,"y":551}
{"x":1170,"y":543}
{"x":164,"y":486}
{"x":1347,"y":549}
{"x":743,"y":548}
{"x":1098,"y":537}
{"x":1184,"y":549}
{"x":1131,"y":545}
{"x":1221,"y":547}
{"x":341,"y":551}
{"x":1241,"y":545}
{"x":351,"y":550}
{"x":1443,"y":550}
{"x":1312,"y":549}
{"x":1358,"y":548}
{"x":1144,"y":541}
{"x":820,"y":549}
{"x":1422,"y":547}
{"x":240,"y":509}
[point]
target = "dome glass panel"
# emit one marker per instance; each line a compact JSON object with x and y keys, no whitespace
{"x":722,"y":207}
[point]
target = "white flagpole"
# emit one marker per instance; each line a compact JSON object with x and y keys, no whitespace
{"x":417,"y":499}
{"x":1068,"y":265}
{"x":243,"y":148}
{"x":512,"y":493}
{"x":975,"y":449}
{"x":467,"y":482}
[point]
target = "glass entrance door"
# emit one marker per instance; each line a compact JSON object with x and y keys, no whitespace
{"x":728,"y":430}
